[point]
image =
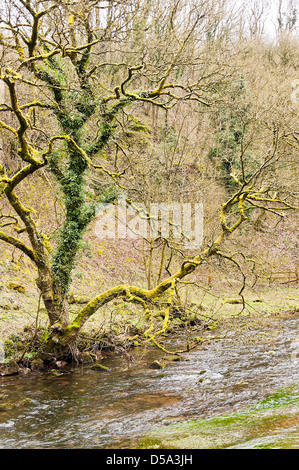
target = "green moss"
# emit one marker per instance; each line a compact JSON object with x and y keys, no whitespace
{"x":16,"y":286}
{"x":99,"y":368}
{"x":284,"y":397}
{"x":8,"y":405}
{"x":213,"y":325}
{"x":45,"y":336}
{"x":230,"y":429}
{"x":5,"y":406}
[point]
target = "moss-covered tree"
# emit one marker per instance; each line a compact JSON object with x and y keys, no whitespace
{"x":85,"y":64}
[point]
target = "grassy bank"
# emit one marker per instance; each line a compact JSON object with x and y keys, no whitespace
{"x":23,"y":309}
{"x":19,"y":310}
{"x":119,"y":325}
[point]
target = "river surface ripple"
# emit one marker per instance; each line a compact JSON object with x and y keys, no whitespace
{"x":85,"y":408}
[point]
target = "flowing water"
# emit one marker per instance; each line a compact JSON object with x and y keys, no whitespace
{"x":85,"y":408}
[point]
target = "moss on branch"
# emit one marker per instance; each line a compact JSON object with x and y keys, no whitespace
{"x":18,"y":244}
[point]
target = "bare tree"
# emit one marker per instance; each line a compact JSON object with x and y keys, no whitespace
{"x":286,"y":16}
{"x":71,"y":69}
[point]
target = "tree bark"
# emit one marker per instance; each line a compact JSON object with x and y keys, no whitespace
{"x":55,"y":300}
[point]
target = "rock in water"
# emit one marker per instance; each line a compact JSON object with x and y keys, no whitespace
{"x":157,"y":365}
{"x":9,"y":368}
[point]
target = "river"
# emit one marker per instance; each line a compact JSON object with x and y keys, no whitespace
{"x":85,"y":408}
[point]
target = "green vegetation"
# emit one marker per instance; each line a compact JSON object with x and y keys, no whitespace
{"x":263,"y":419}
{"x":155,"y":105}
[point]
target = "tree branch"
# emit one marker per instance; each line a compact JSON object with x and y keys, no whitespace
{"x":18,"y":244}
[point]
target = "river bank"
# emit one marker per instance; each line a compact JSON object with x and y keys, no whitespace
{"x":120,"y":328}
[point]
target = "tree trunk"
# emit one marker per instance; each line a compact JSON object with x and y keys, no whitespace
{"x":55,"y":301}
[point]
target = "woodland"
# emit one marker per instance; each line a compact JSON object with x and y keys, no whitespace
{"x":154,"y":102}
